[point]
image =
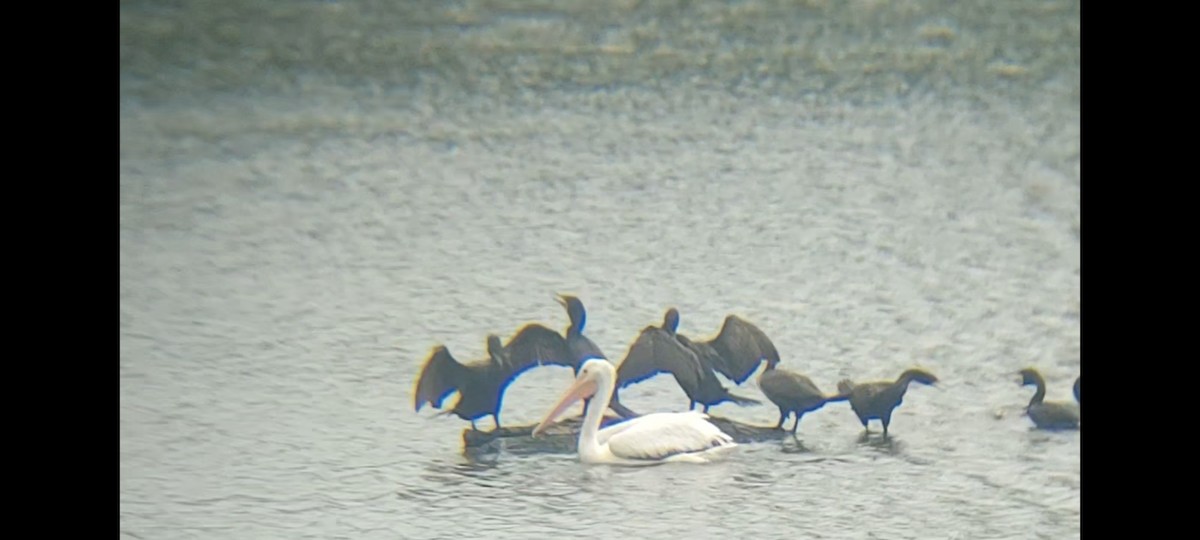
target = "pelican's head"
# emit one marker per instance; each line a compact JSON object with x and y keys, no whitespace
{"x":594,"y":373}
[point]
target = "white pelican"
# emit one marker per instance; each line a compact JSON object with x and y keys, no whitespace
{"x":646,"y":440}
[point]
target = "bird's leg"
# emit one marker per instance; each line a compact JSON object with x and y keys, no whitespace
{"x":496,"y":417}
{"x":473,"y":426}
{"x":706,"y":409}
{"x":797,"y":424}
{"x":782,"y":418}
{"x":692,"y":406}
{"x":887,"y":419}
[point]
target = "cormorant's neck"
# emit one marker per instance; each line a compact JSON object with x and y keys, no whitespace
{"x":1040,"y":394}
{"x":578,"y":320}
{"x":769,"y":367}
{"x":902,"y":383}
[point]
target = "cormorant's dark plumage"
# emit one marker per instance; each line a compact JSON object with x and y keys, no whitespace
{"x":877,"y":400}
{"x":1076,"y":389}
{"x":481,"y":384}
{"x":1048,"y":414}
{"x":658,"y":350}
{"x":736,"y":351}
{"x":582,"y":348}
{"x":793,"y":393}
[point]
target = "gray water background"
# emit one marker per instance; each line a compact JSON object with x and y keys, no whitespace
{"x":314,"y":194}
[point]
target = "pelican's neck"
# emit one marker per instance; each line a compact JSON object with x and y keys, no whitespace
{"x":605,"y":384}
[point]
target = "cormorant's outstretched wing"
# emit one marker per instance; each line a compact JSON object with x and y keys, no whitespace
{"x":536,"y":345}
{"x":708,"y":356}
{"x":582,"y":347}
{"x":742,"y":346}
{"x":655,"y":351}
{"x":441,"y":375}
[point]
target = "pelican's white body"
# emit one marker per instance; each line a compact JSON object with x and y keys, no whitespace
{"x":645,"y":440}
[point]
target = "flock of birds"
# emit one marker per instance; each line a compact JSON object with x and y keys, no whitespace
{"x":735,"y":353}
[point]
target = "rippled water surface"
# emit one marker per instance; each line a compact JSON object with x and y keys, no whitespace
{"x":314,"y":194}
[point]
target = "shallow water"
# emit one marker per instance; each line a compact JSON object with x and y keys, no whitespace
{"x":314,"y":194}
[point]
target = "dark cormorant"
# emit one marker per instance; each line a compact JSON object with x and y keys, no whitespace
{"x":582,"y":348}
{"x":1076,"y":389}
{"x":878,"y":399}
{"x":481,"y":384}
{"x":658,"y":350}
{"x":736,"y":351}
{"x":793,"y":393}
{"x":1048,"y":414}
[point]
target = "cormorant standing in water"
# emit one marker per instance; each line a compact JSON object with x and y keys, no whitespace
{"x":877,"y":400}
{"x":793,"y":393}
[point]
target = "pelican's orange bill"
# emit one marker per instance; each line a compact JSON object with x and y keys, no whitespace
{"x":580,"y":389}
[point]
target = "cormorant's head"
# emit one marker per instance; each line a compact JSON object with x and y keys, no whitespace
{"x":920,"y":375}
{"x":671,"y":320}
{"x":574,"y":310}
{"x":1030,"y":377}
{"x":494,"y":347}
